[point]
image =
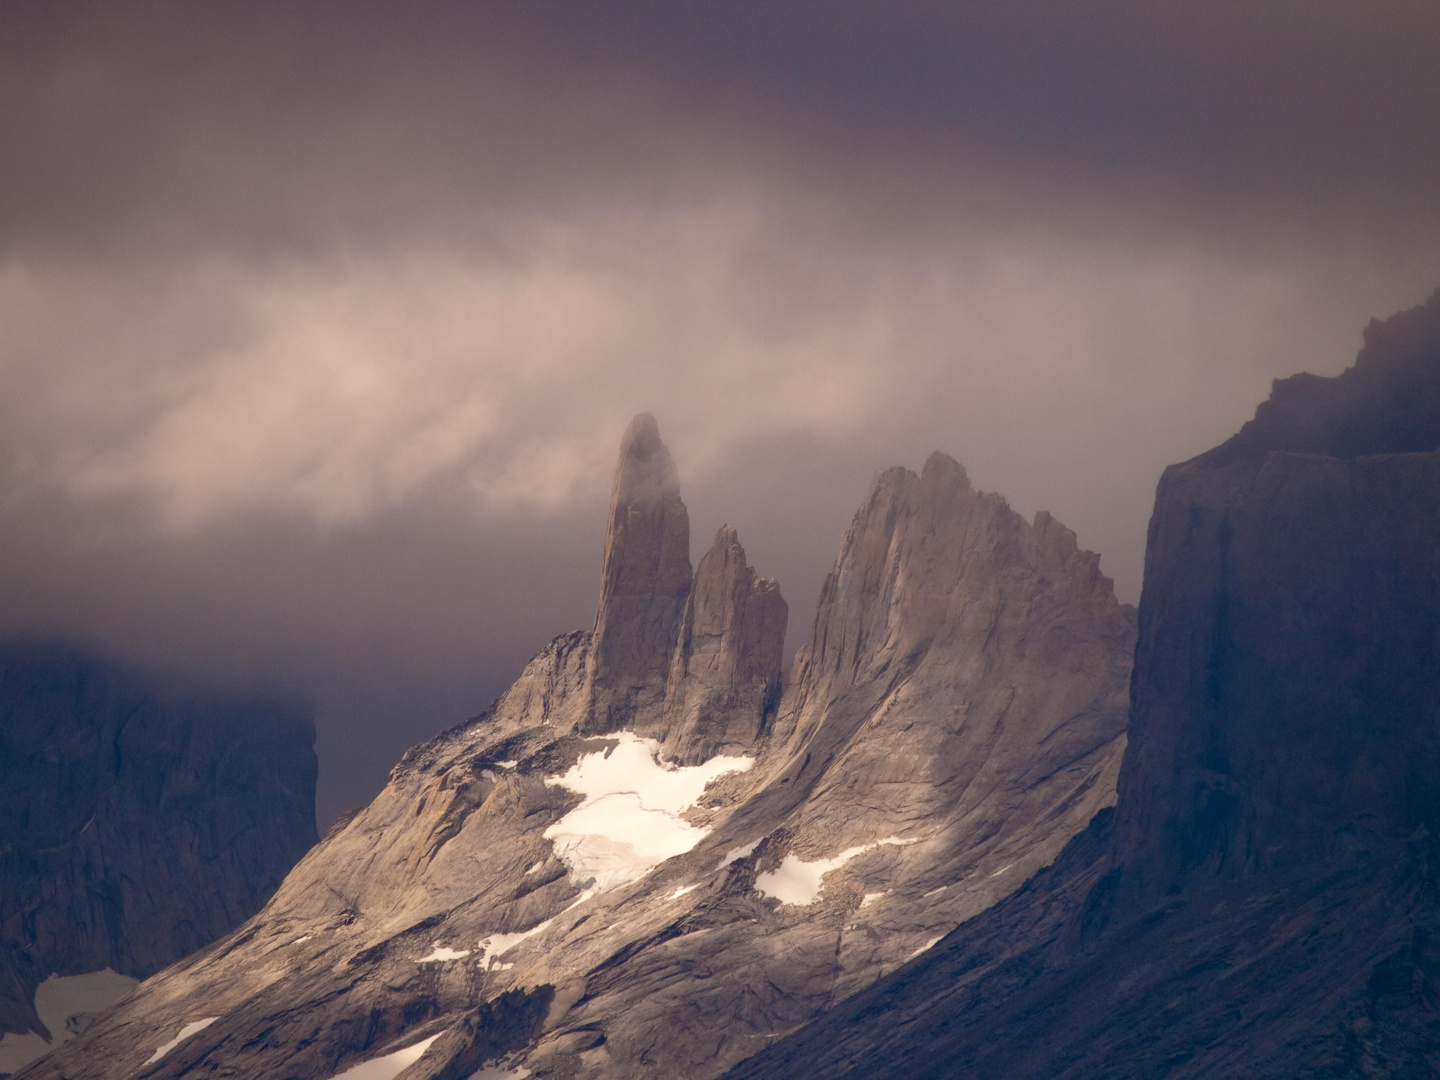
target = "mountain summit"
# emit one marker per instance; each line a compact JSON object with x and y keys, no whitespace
{"x":1264,"y":900}
{"x":655,"y":854}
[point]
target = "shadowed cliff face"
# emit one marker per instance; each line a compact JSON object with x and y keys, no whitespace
{"x":1288,"y":665}
{"x":1265,"y":901}
{"x":135,"y":826}
{"x":651,"y":857}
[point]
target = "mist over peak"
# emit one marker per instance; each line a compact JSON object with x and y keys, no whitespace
{"x":321,"y":327}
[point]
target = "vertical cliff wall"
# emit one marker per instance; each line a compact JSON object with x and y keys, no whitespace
{"x":1287,"y":688}
{"x":136,"y":826}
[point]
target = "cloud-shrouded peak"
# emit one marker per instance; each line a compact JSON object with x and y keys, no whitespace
{"x":320,"y":333}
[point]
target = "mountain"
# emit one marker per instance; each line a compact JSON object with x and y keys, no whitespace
{"x":136,"y":826}
{"x":1264,"y":899}
{"x":657,"y":853}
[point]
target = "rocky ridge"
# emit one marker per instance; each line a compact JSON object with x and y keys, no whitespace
{"x":1264,"y":900}
{"x":654,"y":855}
{"x":136,"y":826}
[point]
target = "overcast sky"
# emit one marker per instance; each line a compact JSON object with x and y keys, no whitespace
{"x":320,"y":323}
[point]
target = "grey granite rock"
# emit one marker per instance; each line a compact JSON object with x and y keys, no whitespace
{"x":516,"y":894}
{"x":644,"y":584}
{"x":1265,"y":902}
{"x":725,"y":677}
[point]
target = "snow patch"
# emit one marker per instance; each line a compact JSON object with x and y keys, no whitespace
{"x":870,"y":898}
{"x":532,"y":869}
{"x":389,"y":1066}
{"x":1002,"y":869}
{"x":18,"y":1050}
{"x":65,"y":1004}
{"x":797,"y":882}
{"x":736,"y":854}
{"x":925,"y":948}
{"x":68,"y":1003}
{"x":442,"y":953}
{"x":185,"y":1032}
{"x":507,"y":764}
{"x":497,"y":945}
{"x":682,"y":891}
{"x":302,"y":940}
{"x":630,"y":820}
{"x":934,"y":892}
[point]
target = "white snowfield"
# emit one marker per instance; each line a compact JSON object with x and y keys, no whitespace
{"x":798,"y":882}
{"x":185,"y":1033}
{"x":926,"y":947}
{"x":494,"y":946}
{"x":65,"y":1004}
{"x":441,"y":952}
{"x":736,"y":854}
{"x":389,"y":1066}
{"x":630,"y":820}
{"x":18,"y":1049}
{"x":497,"y":945}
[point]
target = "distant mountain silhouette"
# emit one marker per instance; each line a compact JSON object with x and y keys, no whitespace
{"x":136,"y":825}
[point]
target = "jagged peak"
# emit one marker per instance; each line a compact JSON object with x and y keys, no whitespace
{"x":645,"y":581}
{"x":726,"y":536}
{"x":942,"y":469}
{"x":645,"y":473}
{"x":647,"y":536}
{"x":1387,"y":403}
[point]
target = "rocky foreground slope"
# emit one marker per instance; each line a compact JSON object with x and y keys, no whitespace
{"x":1264,"y":900}
{"x":655,"y":855}
{"x":135,"y":827}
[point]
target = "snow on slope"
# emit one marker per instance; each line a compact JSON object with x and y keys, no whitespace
{"x":389,"y":1066}
{"x":631,"y":819}
{"x":795,"y":881}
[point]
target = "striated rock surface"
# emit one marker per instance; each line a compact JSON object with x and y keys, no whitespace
{"x":725,"y":677}
{"x":136,"y":826}
{"x":1265,"y":899}
{"x":653,"y":856}
{"x":644,"y":585}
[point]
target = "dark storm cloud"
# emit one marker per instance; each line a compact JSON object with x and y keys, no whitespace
{"x":124,"y":112}
{"x":321,"y":321}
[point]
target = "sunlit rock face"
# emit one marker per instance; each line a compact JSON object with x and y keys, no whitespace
{"x":1264,"y":900}
{"x":136,"y":825}
{"x":724,"y":680}
{"x":654,"y":854}
{"x":691,"y":660}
